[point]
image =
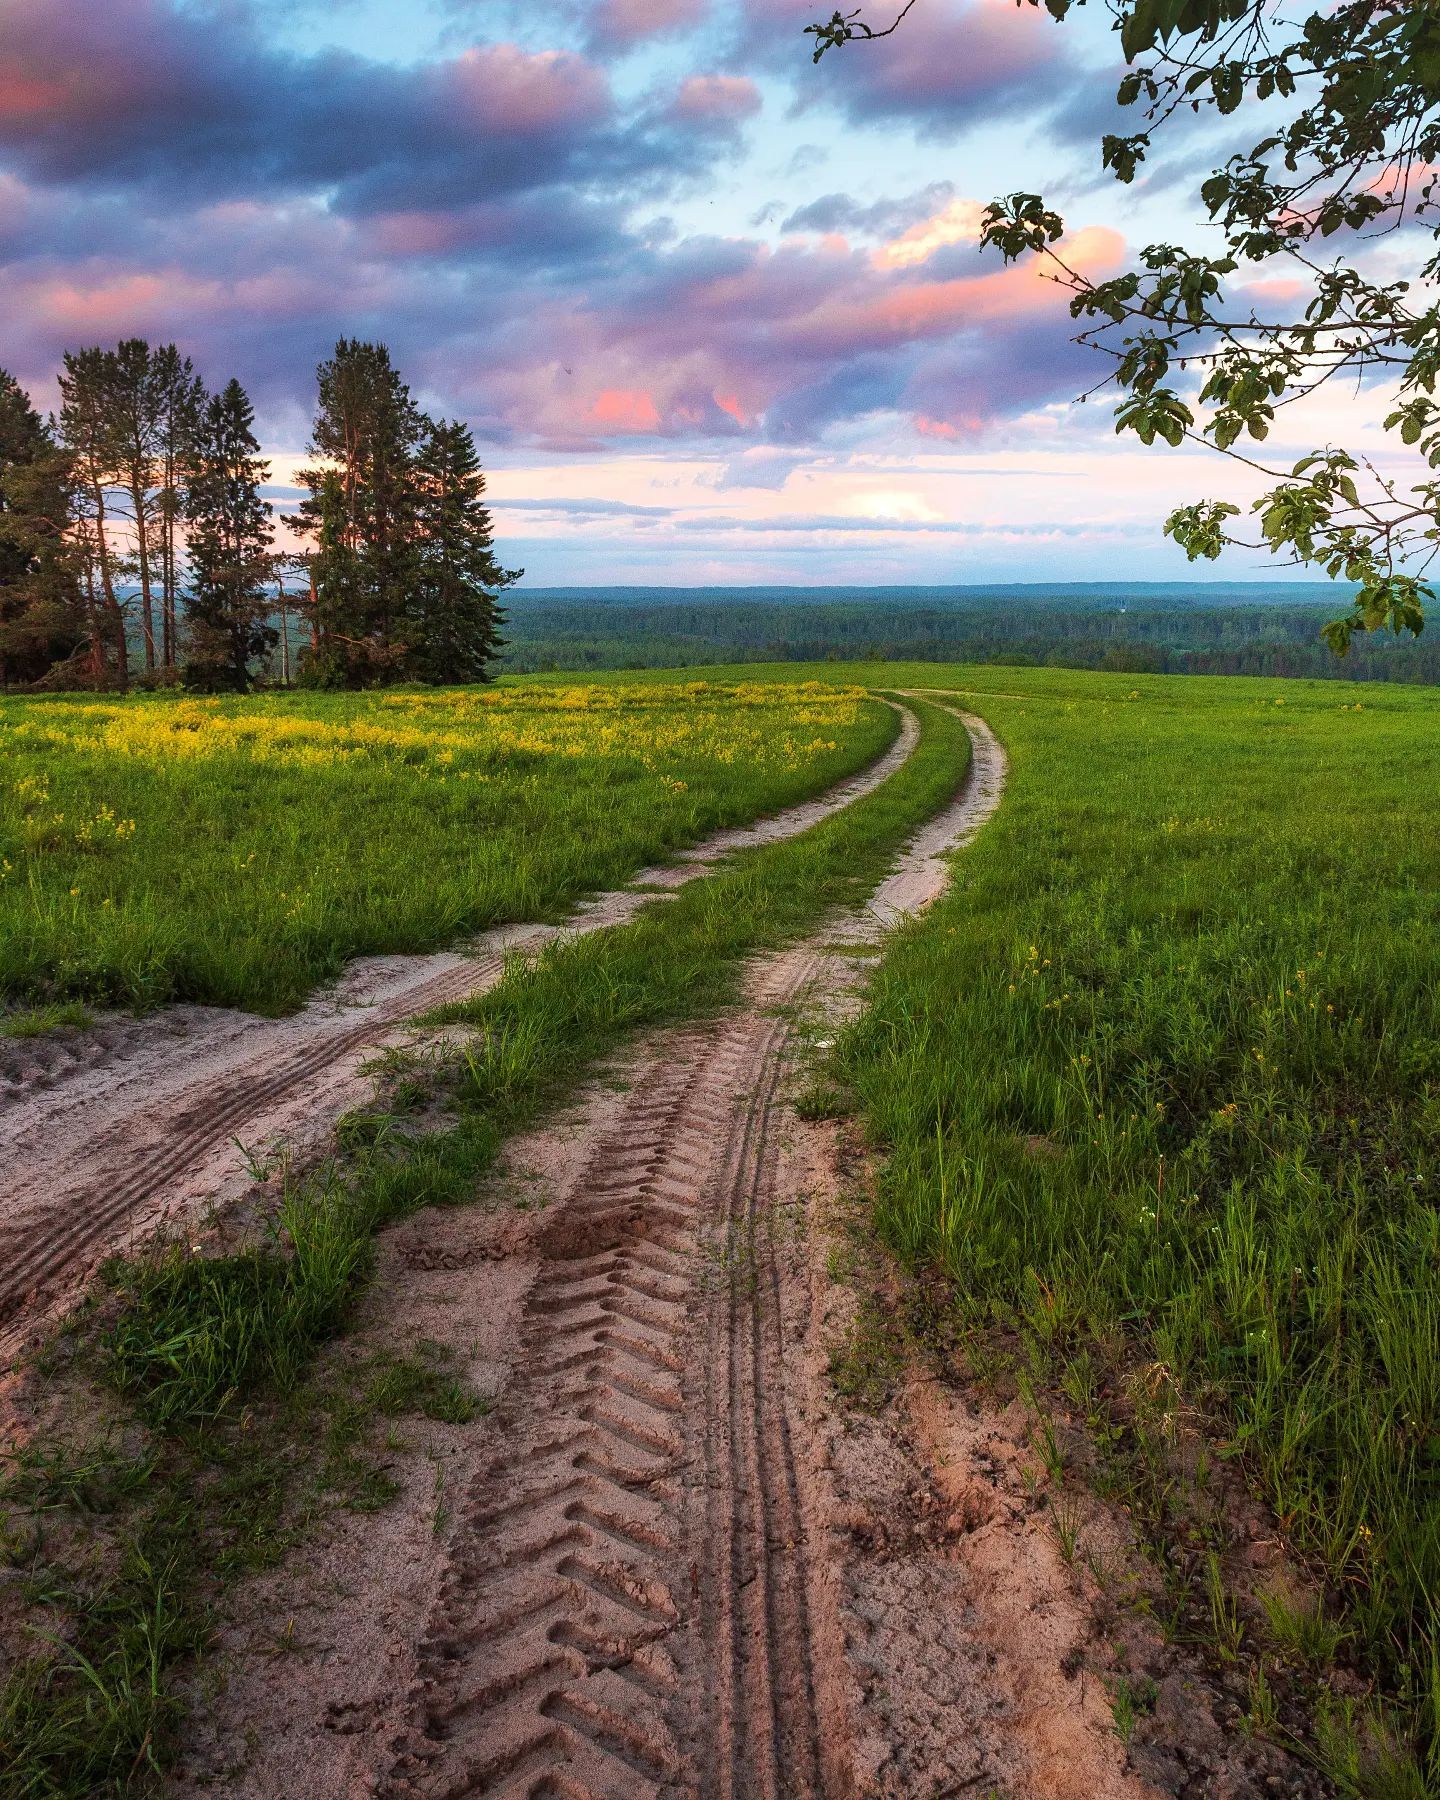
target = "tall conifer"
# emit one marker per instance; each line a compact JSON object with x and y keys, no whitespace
{"x":454,"y":619}
{"x":181,"y":396}
{"x":88,"y":435}
{"x":228,"y":533}
{"x":40,"y":618}
{"x":361,"y":514}
{"x":134,"y":403}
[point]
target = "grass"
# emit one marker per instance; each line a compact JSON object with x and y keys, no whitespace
{"x":237,"y":852}
{"x":1196,"y":956}
{"x":123,"y":1553}
{"x":218,"y":1355}
{"x":39,"y":1021}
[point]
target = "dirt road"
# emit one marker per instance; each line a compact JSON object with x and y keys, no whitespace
{"x":678,"y":1556}
{"x":672,"y":1566}
{"x":636,"y":1600}
{"x":108,"y":1134}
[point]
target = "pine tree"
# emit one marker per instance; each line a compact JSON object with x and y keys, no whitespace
{"x":181,"y":397}
{"x":40,"y":618}
{"x":134,"y":404}
{"x":228,"y":533}
{"x":87,"y":433}
{"x":361,"y":514}
{"x":453,"y":620}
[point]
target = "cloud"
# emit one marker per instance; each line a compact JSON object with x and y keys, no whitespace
{"x":581,"y":508}
{"x":957,"y":222}
{"x":843,"y":524}
{"x":762,"y":467}
{"x":622,"y":24}
{"x":951,"y":64}
{"x":491,"y":214}
{"x":151,"y":93}
{"x":877,"y":218}
{"x":716,"y":99}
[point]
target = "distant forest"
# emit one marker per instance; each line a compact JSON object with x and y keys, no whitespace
{"x":1212,"y":628}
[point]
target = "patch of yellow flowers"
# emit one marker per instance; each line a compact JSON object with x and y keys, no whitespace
{"x":658,"y":725}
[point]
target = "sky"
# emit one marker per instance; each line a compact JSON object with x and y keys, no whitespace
{"x":715,"y":314}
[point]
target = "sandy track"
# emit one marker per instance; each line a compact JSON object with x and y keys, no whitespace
{"x":635,"y":1603}
{"x":108,"y":1135}
{"x":611,"y":1567}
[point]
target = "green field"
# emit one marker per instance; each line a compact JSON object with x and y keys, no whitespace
{"x":237,"y":852}
{"x":1155,"y":1089}
{"x":1159,"y":1084}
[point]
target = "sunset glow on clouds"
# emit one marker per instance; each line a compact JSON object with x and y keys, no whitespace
{"x":715,"y":314}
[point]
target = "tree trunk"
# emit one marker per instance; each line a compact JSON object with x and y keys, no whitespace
{"x":167,"y":568}
{"x":142,"y":545}
{"x":114,"y":615}
{"x":94,"y":625}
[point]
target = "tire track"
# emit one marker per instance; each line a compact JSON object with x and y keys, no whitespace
{"x":548,"y":1667}
{"x":764,"y":1724}
{"x":594,"y":1622}
{"x":44,"y":1251}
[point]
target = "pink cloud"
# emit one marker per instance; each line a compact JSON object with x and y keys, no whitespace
{"x":626,"y":22}
{"x":510,"y":89}
{"x":623,"y":410}
{"x":950,"y":63}
{"x":25,"y":96}
{"x":956,"y":223}
{"x":781,"y":342}
{"x":717,"y":97}
{"x":871,"y":315}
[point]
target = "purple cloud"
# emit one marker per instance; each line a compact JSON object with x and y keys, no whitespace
{"x":881,"y":218}
{"x":145,"y":92}
{"x":952,"y":64}
{"x":175,"y":176}
{"x":622,"y":24}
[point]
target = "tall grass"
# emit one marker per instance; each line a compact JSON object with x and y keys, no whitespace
{"x":1165,"y":1066}
{"x":193,"y":1335}
{"x":237,"y":852}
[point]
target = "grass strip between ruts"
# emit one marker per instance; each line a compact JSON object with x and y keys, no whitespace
{"x":194,"y":1342}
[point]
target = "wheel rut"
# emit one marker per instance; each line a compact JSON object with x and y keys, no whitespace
{"x":47,"y":1248}
{"x":612,"y":1620}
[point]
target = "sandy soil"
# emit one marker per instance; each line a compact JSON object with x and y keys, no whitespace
{"x":140,"y":1124}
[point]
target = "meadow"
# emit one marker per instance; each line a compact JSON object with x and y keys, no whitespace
{"x":1154,"y":1091}
{"x":1158,"y":1086}
{"x":238,"y":851}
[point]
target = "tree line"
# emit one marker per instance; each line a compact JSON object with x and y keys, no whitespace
{"x":136,"y":543}
{"x":549,"y":632}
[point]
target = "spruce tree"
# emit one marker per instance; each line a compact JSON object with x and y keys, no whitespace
{"x":453,"y":620}
{"x":361,"y":514}
{"x":40,"y":617}
{"x":229,"y":534}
